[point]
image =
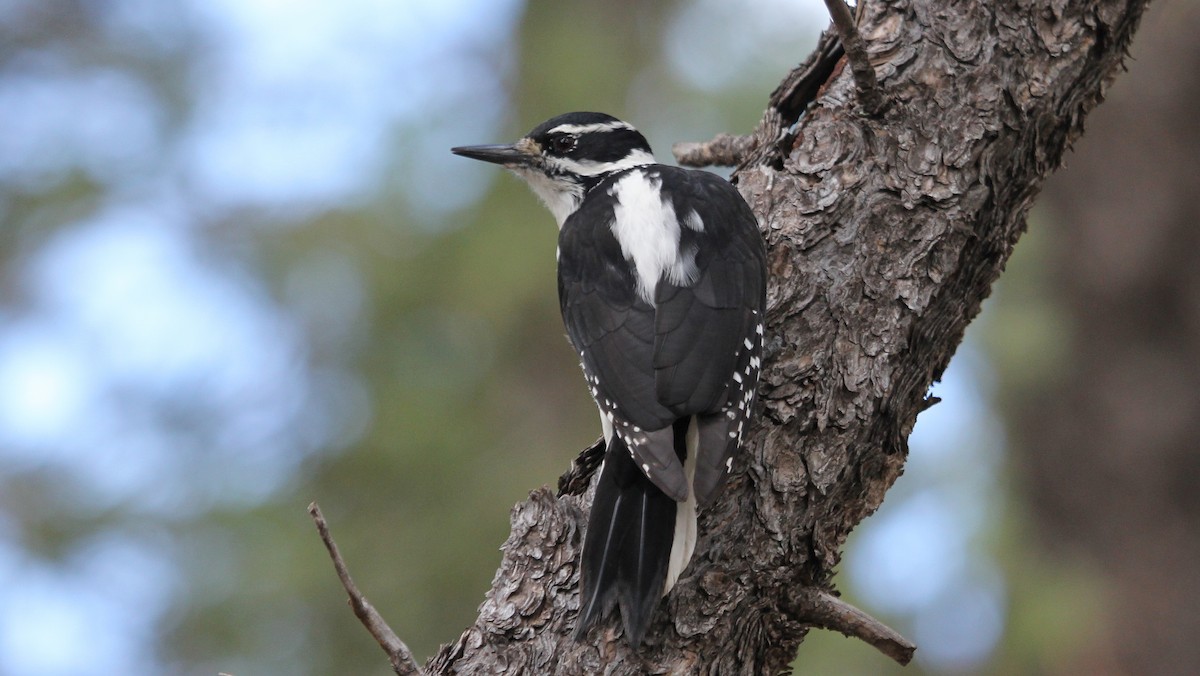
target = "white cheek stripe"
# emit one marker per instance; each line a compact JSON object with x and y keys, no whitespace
{"x":637,"y":158}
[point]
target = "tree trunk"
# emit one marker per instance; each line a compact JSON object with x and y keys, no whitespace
{"x":885,"y":235}
{"x":1110,"y":455}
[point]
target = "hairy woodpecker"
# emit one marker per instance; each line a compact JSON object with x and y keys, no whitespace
{"x":662,"y":286}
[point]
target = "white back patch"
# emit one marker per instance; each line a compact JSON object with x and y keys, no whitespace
{"x":648,"y":231}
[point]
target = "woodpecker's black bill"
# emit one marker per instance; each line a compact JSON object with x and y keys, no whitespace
{"x":496,"y":154}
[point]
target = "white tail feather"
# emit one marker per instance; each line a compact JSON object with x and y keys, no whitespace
{"x":684,"y":542}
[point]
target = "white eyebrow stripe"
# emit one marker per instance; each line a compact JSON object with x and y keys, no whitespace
{"x":636,"y":158}
{"x":589,"y":128}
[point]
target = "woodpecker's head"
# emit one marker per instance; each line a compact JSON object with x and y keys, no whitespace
{"x":565,"y":155}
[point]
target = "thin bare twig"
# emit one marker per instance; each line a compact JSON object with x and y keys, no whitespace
{"x":398,"y":653}
{"x":856,"y":54}
{"x":827,"y":611}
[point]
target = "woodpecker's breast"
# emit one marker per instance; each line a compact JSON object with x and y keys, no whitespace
{"x":648,"y":231}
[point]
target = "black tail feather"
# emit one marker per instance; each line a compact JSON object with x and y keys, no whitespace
{"x":627,"y":547}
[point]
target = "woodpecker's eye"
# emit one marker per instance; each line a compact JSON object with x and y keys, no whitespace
{"x":562,"y":144}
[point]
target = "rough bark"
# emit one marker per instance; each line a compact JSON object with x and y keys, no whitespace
{"x":885,"y":233}
{"x":1107,"y":453}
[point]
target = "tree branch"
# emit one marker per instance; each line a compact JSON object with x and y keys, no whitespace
{"x":827,"y":611}
{"x":723,"y":151}
{"x":398,"y":653}
{"x":856,"y":53}
{"x":885,"y":233}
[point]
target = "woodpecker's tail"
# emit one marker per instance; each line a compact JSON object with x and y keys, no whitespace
{"x":628,"y":547}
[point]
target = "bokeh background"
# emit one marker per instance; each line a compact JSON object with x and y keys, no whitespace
{"x":240,"y":271}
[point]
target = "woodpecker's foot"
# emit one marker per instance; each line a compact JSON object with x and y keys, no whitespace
{"x":823,"y":609}
{"x":575,"y":480}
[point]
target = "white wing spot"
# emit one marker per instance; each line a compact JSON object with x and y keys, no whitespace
{"x":748,"y":344}
{"x":729,"y":464}
{"x":645,"y":468}
{"x":738,"y":377}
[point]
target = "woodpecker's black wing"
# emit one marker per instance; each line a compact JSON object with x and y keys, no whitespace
{"x":701,"y":326}
{"x":708,"y":333}
{"x":612,"y":328}
{"x":696,"y":351}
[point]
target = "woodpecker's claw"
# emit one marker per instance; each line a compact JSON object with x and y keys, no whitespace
{"x":575,"y":480}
